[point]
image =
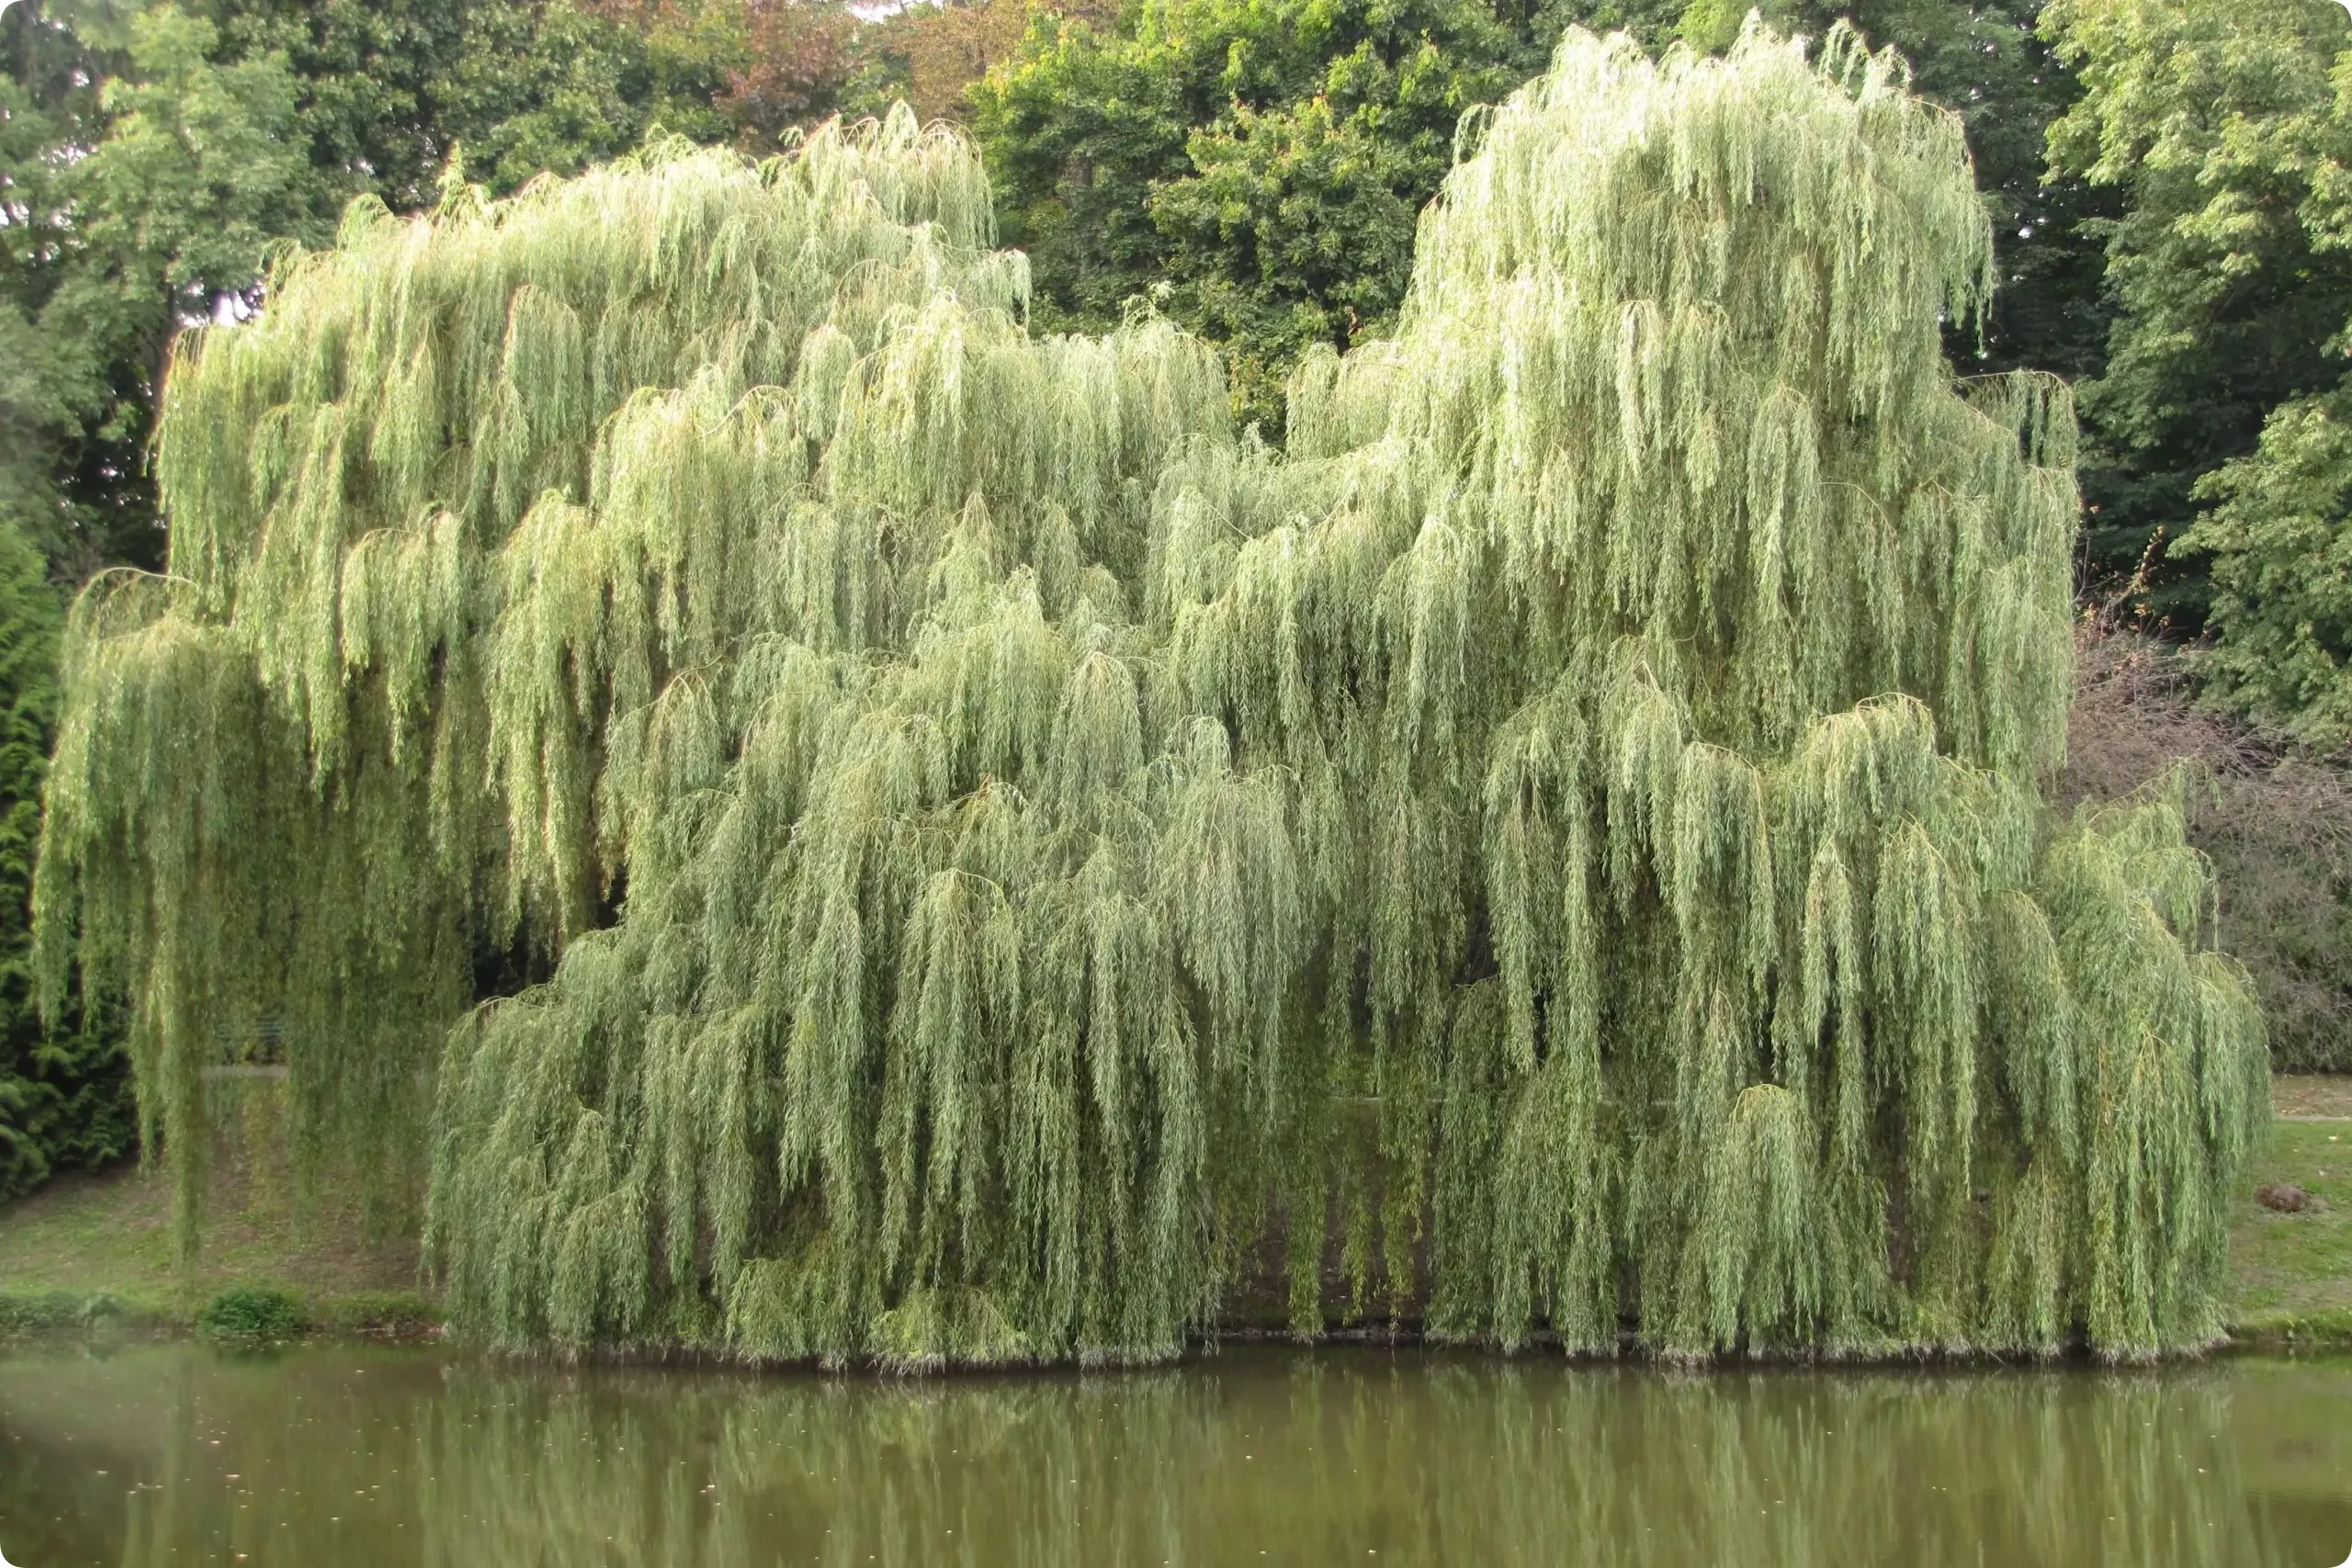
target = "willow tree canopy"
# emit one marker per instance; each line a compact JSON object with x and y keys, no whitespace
{"x":1561,"y":842}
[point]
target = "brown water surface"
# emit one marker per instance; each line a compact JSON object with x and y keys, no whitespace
{"x":354,"y":1459}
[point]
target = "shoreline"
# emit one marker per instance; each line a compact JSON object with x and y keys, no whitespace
{"x":53,"y":1318}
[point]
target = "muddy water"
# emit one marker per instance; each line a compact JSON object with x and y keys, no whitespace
{"x":351,"y":1459}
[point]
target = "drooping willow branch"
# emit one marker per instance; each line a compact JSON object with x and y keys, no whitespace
{"x":1563,"y":840}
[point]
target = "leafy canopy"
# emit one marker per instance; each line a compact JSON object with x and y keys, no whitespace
{"x":1565,"y":832}
{"x":1260,"y":163}
{"x":1259,"y":168}
{"x":151,"y":156}
{"x":2223,"y":127}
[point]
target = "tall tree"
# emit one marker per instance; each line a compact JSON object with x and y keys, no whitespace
{"x":2220,"y":126}
{"x":1014,"y":843}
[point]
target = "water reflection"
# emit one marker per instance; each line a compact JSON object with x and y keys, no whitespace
{"x":355,"y":1458}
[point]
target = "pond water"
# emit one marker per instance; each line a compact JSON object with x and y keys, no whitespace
{"x":352,"y":1457}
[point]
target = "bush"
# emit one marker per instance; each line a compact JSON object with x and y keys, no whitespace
{"x":47,"y":1311}
{"x":2276,"y":821}
{"x":252,"y":1314}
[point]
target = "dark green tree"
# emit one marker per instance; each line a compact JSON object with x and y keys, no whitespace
{"x":70,"y":474}
{"x":2217,"y":126}
{"x":64,"y":1099}
{"x":1259,"y":162}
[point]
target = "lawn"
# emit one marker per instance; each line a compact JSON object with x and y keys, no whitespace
{"x":2295,"y":1270}
{"x":113,"y":1233}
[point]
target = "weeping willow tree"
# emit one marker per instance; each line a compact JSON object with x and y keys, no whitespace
{"x":1561,"y":844}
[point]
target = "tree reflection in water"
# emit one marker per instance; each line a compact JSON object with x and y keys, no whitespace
{"x":357,"y":1459}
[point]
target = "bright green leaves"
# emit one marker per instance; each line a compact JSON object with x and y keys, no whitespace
{"x":1753,"y":1269}
{"x":1021,"y":863}
{"x":2280,"y":555}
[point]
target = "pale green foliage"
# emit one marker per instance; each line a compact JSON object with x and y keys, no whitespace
{"x":1000,"y":828}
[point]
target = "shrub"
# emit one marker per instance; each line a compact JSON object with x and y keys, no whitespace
{"x":252,"y":1314}
{"x":46,"y":1312}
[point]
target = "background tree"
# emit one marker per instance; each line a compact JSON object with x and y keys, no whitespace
{"x":944,"y":49}
{"x":2233,"y":130}
{"x":800,"y":59}
{"x":2219,"y":128}
{"x":65,"y":1095}
{"x":1266,"y":162}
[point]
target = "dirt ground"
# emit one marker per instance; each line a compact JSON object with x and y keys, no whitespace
{"x":2299,"y":1094}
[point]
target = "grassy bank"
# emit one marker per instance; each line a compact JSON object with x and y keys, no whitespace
{"x":2294,"y":1271}
{"x":93,"y":1254}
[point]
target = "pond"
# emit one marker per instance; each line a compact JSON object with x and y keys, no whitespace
{"x":354,"y":1457}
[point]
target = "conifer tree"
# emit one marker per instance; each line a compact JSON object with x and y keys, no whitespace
{"x":1566,"y":835}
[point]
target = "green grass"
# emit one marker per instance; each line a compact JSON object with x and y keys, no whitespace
{"x":2295,"y":1270}
{"x":99,"y":1248}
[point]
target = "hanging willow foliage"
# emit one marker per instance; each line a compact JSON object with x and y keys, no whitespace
{"x":1562,"y":842}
